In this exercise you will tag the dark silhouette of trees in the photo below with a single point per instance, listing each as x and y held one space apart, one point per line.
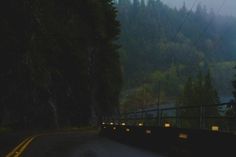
199 95
59 62
231 110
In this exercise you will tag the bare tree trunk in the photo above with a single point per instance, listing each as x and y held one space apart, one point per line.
55 113
92 87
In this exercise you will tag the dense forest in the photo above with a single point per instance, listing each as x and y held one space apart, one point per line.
59 63
162 47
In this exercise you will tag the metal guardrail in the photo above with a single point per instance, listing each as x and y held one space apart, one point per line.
219 117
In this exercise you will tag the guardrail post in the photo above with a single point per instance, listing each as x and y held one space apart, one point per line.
202 117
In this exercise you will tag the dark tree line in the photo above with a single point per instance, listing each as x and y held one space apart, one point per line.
231 110
59 64
199 95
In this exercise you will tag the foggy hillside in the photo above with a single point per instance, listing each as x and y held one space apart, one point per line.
162 45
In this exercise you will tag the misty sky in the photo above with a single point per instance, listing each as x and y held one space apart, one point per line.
229 7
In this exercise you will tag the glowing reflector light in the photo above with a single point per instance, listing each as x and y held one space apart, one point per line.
148 131
183 136
104 127
111 123
167 125
215 128
103 123
123 124
140 124
127 129
114 128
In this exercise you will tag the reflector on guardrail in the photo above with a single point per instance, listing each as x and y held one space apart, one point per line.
215 128
140 124
148 131
167 125
127 130
183 136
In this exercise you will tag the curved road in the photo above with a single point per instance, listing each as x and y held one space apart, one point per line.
82 144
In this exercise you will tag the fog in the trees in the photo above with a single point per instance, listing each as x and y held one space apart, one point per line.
165 46
226 7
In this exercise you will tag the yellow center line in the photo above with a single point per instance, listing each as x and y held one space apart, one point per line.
17 147
24 146
18 150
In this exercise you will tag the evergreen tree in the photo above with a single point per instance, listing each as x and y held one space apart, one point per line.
231 110
210 97
202 96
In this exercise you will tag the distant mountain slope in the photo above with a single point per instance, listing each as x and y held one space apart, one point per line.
160 44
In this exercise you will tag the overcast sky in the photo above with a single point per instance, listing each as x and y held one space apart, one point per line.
226 7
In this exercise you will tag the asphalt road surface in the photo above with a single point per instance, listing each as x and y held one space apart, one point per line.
82 144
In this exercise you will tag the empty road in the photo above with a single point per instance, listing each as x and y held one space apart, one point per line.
76 144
